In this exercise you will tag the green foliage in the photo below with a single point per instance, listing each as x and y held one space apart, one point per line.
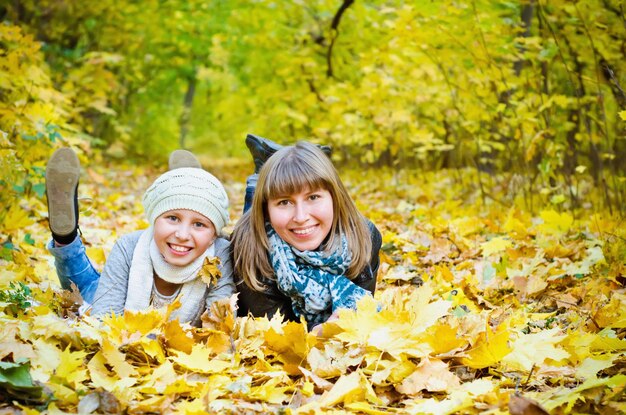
16 298
527 87
33 112
16 381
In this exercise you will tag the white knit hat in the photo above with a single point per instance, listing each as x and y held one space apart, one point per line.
188 188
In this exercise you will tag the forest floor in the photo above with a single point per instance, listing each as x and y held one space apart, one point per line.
482 306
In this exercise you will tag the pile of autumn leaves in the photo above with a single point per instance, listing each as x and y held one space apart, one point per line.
478 308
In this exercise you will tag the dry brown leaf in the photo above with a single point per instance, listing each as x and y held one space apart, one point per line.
520 405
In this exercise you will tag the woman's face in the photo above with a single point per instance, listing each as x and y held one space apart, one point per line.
183 235
304 219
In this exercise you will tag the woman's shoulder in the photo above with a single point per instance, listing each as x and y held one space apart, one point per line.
372 228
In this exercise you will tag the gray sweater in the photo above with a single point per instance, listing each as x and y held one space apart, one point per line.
110 296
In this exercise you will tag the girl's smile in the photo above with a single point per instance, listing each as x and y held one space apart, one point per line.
183 235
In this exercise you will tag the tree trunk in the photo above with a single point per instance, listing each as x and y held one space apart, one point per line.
185 116
527 16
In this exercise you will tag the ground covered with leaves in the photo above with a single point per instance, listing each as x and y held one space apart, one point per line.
483 306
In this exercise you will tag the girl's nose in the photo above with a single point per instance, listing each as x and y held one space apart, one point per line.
182 232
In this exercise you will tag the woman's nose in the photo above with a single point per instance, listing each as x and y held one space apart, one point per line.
301 212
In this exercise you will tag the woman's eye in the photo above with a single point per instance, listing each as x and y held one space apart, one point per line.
283 202
314 197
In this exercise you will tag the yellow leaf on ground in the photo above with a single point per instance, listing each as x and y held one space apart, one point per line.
555 223
534 348
16 218
489 348
495 245
71 369
431 375
96 255
117 360
292 345
177 338
201 359
347 387
102 378
590 367
443 338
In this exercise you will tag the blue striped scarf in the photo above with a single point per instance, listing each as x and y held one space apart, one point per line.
313 280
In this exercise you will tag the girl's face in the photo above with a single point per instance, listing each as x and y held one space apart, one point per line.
183 235
304 219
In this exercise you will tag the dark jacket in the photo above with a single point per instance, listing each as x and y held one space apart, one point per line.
271 300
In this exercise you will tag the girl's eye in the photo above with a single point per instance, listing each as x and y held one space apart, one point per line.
199 225
172 218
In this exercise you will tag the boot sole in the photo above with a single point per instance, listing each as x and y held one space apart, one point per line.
183 158
62 174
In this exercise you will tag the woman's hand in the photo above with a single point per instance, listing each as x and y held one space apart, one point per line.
318 330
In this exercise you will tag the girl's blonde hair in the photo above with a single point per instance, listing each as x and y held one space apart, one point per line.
291 170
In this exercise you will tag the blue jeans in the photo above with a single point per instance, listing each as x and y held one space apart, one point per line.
73 265
250 188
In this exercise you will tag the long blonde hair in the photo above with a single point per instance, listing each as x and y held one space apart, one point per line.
291 170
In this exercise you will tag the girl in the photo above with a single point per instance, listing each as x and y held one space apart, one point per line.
186 208
302 248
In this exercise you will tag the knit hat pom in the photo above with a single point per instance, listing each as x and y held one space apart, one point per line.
188 188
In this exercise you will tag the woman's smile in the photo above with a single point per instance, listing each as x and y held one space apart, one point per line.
303 220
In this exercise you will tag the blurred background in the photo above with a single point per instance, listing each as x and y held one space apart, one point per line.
532 90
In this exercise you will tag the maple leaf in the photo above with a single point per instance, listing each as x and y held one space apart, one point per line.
201 359
614 313
495 245
555 398
101 377
10 342
489 348
334 360
291 344
348 388
555 223
133 322
176 337
432 375
520 405
117 360
16 218
443 338
396 329
534 348
210 271
607 340
590 367
384 371
270 391
69 371
221 315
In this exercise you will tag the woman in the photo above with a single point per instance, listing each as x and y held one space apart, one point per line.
302 248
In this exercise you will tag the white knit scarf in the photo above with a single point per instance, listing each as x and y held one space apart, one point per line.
147 260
